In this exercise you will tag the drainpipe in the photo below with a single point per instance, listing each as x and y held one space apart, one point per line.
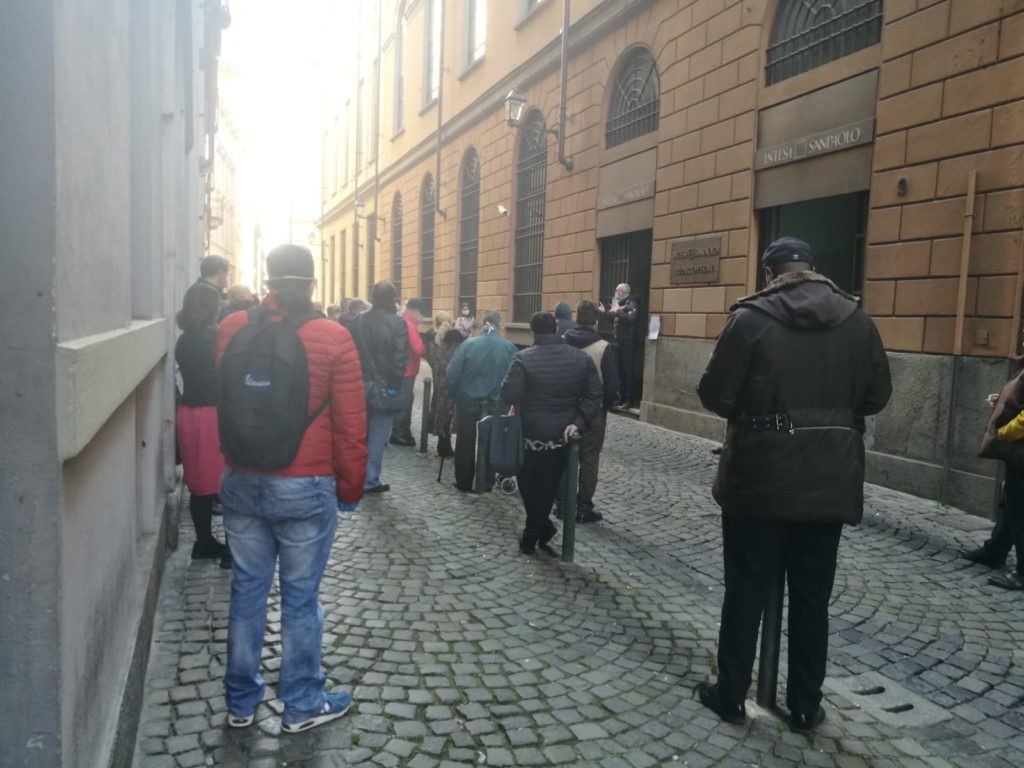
440 92
376 129
564 82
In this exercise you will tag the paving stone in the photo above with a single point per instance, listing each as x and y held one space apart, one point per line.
456 647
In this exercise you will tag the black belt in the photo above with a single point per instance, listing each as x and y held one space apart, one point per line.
771 422
787 421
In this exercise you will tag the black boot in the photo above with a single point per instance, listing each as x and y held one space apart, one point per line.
206 547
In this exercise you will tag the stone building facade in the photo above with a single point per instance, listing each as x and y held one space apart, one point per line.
102 217
698 130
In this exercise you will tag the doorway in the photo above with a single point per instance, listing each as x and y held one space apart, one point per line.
834 227
626 258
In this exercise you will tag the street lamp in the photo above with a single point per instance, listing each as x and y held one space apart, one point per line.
515 102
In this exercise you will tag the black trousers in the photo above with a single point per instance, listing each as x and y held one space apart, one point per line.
627 369
401 429
1012 518
753 550
465 446
591 443
539 480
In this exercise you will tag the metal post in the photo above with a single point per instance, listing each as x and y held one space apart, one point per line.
572 484
425 414
771 639
483 433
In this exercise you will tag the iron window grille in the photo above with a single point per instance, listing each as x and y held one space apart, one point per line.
428 195
469 230
636 99
810 33
531 174
396 244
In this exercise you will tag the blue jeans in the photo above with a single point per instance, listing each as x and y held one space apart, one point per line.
290 520
378 428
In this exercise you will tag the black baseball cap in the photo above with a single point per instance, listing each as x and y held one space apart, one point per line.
290 262
786 249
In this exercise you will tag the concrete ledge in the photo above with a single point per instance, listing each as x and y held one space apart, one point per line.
968 491
704 424
95 374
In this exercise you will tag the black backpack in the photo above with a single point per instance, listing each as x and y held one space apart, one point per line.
263 392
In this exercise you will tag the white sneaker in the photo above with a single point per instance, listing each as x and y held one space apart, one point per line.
241 721
335 705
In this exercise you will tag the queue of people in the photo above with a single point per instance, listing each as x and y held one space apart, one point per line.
286 414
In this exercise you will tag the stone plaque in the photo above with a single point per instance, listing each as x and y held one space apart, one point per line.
834 140
696 260
626 195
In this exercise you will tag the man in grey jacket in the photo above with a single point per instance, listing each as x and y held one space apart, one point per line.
472 382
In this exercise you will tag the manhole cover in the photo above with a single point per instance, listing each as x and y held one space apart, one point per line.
887 701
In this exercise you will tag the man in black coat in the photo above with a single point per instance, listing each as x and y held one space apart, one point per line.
795 371
557 394
625 310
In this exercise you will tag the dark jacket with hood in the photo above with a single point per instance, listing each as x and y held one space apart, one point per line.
383 343
552 385
803 351
563 317
582 337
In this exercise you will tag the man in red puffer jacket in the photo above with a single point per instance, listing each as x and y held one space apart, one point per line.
288 515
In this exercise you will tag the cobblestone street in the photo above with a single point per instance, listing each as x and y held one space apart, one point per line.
461 651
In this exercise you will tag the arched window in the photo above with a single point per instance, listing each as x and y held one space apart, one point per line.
531 173
427 204
399 74
396 243
636 98
809 33
469 229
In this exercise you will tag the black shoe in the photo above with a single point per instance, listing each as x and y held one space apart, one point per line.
408 440
984 556
619 404
464 490
1011 580
549 534
210 550
711 697
800 722
379 488
589 516
526 549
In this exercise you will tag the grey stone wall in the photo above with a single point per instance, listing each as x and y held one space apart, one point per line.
924 442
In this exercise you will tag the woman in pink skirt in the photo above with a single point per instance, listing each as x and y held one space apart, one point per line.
198 440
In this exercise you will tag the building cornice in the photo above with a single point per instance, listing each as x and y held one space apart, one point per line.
584 34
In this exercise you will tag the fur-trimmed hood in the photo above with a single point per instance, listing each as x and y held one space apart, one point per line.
806 300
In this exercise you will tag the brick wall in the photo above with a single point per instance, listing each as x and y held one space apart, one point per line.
951 99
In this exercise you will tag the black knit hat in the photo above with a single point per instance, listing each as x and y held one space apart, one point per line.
290 262
786 249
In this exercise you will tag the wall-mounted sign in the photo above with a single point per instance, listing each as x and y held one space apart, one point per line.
696 260
833 140
626 195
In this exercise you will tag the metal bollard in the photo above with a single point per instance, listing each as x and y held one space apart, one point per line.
771 639
572 484
483 433
425 414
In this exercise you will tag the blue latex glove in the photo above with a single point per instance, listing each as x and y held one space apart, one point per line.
345 506
391 392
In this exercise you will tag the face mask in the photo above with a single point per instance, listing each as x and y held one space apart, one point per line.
465 313
619 296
